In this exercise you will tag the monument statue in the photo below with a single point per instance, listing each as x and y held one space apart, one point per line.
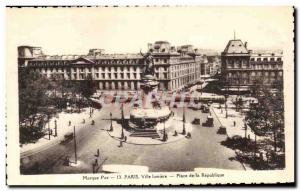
149 64
147 119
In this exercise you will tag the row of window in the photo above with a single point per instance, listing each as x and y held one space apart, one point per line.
249 81
65 62
266 66
182 66
256 66
265 59
247 74
111 76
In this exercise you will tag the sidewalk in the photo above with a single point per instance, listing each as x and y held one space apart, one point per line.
228 122
63 128
232 130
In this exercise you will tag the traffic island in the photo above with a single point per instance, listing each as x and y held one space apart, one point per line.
174 133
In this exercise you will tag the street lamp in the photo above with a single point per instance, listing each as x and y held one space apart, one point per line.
122 124
164 136
245 126
55 127
49 131
111 125
75 148
183 122
226 98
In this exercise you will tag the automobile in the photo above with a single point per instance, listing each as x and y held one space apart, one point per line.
222 130
209 122
205 109
67 138
202 106
196 121
136 104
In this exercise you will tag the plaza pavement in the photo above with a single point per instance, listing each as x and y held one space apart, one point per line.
203 150
62 119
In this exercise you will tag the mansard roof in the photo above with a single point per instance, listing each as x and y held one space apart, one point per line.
235 47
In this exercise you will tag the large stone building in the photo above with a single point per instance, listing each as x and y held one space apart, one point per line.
242 68
175 68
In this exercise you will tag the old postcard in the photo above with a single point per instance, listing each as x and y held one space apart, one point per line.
150 95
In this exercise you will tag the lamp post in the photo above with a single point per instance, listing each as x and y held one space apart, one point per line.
55 128
75 148
122 124
111 125
183 122
164 136
49 133
245 129
226 109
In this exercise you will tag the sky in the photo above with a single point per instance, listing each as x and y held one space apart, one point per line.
127 30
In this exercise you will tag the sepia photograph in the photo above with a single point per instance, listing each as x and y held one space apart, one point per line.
150 93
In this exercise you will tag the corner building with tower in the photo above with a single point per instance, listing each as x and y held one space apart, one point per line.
242 68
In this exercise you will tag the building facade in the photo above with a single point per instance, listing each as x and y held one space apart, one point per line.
241 68
174 68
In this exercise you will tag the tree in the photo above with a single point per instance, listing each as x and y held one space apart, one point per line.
32 97
57 83
87 87
257 86
266 116
32 93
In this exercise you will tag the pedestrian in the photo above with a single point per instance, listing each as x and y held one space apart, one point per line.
93 166
96 162
66 161
93 122
234 123
121 143
125 138
175 133
261 157
69 123
188 135
83 121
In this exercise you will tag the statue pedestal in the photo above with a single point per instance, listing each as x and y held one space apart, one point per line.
150 114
